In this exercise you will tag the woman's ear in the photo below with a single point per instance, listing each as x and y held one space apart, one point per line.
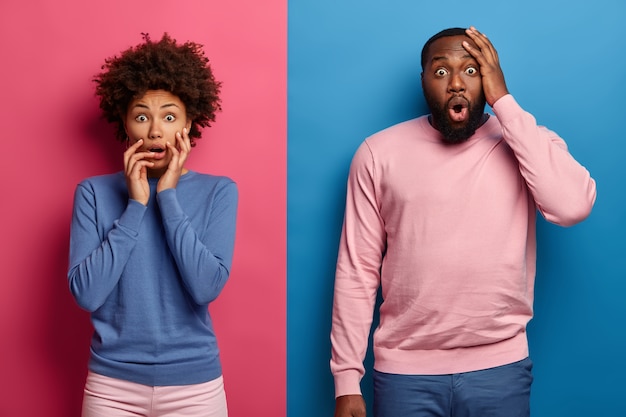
123 120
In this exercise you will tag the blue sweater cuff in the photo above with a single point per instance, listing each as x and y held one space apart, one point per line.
168 202
132 216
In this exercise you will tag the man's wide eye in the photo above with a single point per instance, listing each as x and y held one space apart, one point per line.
441 72
471 71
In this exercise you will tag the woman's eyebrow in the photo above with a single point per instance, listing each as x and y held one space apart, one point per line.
166 105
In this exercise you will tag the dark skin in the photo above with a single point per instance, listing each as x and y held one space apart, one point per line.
491 73
461 73
457 53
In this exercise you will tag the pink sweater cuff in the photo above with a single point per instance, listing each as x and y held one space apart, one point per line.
506 108
347 383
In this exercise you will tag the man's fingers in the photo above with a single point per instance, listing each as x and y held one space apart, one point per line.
480 38
483 43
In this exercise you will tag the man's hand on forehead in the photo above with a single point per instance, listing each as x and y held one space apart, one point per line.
486 55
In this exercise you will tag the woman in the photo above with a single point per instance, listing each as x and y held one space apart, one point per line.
152 246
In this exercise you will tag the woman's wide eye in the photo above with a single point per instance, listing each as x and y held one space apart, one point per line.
170 117
441 72
471 71
141 118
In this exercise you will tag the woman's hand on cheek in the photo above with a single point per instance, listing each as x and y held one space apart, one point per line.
176 167
135 170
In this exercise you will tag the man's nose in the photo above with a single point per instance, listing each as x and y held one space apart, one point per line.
456 85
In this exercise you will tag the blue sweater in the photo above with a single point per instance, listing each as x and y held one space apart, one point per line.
147 275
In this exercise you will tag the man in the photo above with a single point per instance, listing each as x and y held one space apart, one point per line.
440 214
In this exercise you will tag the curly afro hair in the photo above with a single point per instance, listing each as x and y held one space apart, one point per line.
181 69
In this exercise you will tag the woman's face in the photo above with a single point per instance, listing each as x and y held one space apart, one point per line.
156 117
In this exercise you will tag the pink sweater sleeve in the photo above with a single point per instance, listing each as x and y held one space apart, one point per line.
563 190
357 276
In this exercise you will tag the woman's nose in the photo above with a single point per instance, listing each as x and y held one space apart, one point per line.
155 131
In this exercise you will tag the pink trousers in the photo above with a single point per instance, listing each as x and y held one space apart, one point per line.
110 397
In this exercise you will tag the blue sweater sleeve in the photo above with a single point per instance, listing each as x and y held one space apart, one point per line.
98 257
203 254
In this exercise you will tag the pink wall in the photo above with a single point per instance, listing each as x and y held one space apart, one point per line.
53 137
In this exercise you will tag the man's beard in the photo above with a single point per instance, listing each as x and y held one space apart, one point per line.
444 125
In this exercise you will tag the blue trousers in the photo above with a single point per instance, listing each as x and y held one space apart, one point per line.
503 391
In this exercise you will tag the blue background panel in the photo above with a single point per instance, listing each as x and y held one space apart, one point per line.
353 69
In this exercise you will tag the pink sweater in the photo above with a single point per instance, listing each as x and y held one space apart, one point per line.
449 233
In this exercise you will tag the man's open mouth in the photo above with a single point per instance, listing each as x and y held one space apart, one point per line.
458 109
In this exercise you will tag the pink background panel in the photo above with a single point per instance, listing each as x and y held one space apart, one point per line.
52 137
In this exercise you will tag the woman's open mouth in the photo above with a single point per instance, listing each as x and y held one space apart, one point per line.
159 153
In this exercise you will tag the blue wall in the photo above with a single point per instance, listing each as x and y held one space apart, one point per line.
354 69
